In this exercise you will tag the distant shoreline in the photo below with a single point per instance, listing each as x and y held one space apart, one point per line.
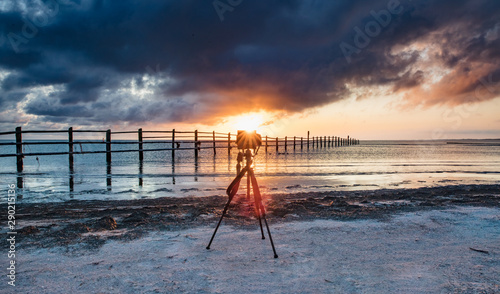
85 223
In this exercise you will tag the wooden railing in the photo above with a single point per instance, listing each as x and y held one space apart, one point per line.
177 140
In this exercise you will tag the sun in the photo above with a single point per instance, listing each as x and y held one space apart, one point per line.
249 122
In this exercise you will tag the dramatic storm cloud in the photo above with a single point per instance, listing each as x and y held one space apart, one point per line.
118 62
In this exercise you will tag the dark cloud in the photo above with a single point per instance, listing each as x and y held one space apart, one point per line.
9 100
135 61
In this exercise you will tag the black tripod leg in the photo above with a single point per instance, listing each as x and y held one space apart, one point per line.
260 223
231 191
216 228
257 210
248 186
270 238
256 195
257 198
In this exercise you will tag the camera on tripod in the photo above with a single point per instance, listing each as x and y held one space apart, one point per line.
248 140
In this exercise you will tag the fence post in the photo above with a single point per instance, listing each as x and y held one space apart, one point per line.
108 146
108 175
141 154
196 144
301 143
294 143
70 148
277 145
19 149
307 140
285 143
70 160
173 144
215 151
266 144
229 143
348 141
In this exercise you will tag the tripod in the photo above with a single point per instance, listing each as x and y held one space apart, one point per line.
233 188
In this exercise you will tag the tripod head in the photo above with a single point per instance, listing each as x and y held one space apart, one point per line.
249 141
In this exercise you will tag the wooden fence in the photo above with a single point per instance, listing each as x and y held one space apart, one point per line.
177 140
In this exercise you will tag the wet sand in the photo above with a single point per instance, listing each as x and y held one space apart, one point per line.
88 225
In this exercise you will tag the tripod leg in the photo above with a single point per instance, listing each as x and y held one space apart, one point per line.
257 204
270 238
248 186
260 223
231 191
218 224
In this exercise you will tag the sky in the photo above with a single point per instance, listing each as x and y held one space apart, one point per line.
408 69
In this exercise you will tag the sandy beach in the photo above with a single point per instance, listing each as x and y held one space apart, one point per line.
365 133
428 240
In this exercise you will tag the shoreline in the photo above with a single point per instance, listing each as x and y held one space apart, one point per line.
88 225
447 250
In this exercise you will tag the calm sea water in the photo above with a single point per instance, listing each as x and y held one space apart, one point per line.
371 165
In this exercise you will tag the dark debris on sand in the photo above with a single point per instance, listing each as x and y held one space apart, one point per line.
91 223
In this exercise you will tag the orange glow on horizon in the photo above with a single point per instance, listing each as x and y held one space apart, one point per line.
247 122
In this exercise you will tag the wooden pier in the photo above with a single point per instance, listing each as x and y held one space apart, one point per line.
177 141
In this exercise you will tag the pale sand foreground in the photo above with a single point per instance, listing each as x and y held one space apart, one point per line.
418 252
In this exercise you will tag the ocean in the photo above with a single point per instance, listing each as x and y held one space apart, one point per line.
368 166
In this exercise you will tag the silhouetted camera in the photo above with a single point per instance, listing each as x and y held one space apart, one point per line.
248 140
